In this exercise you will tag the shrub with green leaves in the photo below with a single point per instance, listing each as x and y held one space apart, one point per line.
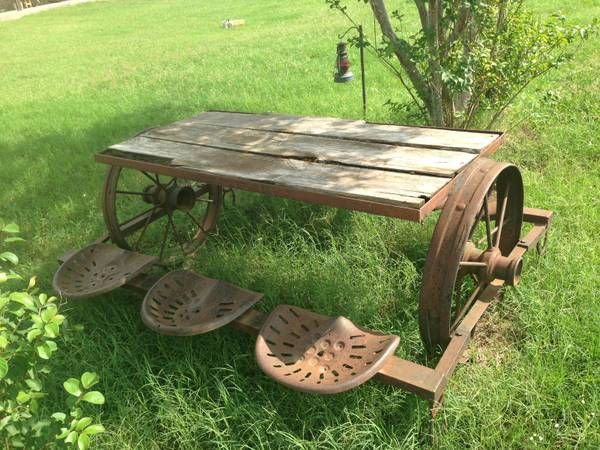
80 427
468 59
30 325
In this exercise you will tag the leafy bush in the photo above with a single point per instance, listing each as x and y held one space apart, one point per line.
469 56
30 324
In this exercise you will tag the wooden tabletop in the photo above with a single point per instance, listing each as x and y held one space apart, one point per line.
385 169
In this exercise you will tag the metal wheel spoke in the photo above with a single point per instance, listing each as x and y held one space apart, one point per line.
191 216
468 304
488 226
494 231
472 264
201 190
164 241
154 180
176 233
146 223
121 225
500 222
129 193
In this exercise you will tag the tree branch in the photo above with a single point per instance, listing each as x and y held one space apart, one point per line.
422 8
401 49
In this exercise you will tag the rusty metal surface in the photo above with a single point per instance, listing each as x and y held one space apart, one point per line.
183 303
427 383
453 255
314 353
97 269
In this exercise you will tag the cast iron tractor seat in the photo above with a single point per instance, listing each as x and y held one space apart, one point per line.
183 303
314 353
97 269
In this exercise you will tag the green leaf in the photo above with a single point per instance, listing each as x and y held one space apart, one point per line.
22 397
51 330
4 421
39 425
24 299
94 429
83 443
37 320
44 351
3 368
58 319
3 277
71 438
60 417
94 397
88 379
34 405
14 239
64 432
31 282
16 309
82 423
33 334
9 256
3 342
37 395
17 443
49 313
11 228
72 387
34 384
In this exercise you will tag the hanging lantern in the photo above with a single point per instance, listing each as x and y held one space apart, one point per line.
342 65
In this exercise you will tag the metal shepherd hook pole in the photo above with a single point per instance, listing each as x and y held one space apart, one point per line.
361 40
343 73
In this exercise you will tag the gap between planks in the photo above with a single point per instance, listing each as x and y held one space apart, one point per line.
369 184
324 150
439 138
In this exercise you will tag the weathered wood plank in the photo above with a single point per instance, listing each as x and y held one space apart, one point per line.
467 141
318 149
408 190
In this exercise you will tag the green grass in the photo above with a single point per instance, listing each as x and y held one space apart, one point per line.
77 79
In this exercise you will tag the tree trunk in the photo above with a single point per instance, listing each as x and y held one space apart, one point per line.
401 50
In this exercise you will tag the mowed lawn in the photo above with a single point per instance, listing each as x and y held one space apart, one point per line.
77 79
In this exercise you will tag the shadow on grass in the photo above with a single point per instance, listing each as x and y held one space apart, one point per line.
329 260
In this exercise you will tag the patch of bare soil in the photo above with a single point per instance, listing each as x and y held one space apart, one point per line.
494 339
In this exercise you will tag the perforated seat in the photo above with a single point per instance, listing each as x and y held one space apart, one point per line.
314 353
183 303
97 269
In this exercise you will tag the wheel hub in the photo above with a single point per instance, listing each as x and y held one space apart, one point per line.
493 265
170 198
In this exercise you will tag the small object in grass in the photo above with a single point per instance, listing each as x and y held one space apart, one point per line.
230 23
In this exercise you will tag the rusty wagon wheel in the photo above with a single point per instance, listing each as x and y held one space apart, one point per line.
158 215
478 228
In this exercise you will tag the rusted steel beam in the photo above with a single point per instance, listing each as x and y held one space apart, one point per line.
460 341
537 216
423 381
